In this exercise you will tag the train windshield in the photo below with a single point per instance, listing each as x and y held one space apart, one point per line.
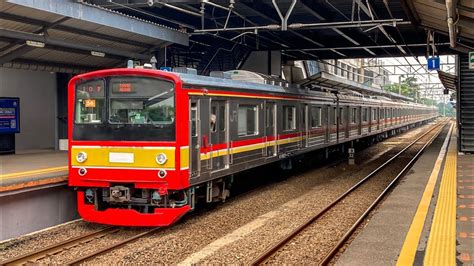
125 108
141 101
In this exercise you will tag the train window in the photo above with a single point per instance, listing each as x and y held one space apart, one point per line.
193 119
289 117
315 116
341 115
247 120
354 116
213 119
140 100
90 102
270 114
222 115
365 114
334 116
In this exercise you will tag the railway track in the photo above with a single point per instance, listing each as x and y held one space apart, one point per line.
112 247
428 138
63 246
32 257
88 239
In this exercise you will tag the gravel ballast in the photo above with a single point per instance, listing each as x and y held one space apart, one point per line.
314 189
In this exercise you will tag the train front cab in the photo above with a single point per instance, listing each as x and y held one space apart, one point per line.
128 147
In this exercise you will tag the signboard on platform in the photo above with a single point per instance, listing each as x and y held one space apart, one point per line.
433 63
9 115
471 60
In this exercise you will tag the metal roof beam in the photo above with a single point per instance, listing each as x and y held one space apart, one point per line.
15 54
65 28
306 5
50 41
105 17
22 48
363 47
47 66
265 16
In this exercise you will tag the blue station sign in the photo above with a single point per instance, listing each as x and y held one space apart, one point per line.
433 63
9 115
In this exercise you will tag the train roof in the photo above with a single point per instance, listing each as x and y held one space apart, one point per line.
344 94
225 83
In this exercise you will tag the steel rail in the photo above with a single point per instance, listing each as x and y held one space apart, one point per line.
111 247
263 257
330 255
58 247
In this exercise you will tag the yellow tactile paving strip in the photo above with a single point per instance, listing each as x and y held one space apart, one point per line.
35 172
408 252
441 249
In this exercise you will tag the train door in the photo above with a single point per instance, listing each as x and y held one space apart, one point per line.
345 120
194 133
218 136
328 123
304 126
270 129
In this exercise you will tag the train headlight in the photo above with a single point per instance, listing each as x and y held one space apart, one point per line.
161 158
162 173
81 157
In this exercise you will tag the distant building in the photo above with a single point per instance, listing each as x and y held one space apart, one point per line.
366 71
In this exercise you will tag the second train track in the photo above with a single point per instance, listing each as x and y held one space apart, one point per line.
410 152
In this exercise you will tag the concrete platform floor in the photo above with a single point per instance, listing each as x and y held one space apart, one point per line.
387 233
32 167
34 193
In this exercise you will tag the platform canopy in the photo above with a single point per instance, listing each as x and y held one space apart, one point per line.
453 18
72 36
223 33
332 82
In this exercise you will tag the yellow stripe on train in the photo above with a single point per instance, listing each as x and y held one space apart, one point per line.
236 150
139 157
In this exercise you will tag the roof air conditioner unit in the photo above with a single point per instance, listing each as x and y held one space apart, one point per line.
185 70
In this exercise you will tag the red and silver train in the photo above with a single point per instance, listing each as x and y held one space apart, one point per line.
145 145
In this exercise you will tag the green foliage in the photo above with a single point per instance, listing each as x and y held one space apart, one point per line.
446 109
427 101
407 87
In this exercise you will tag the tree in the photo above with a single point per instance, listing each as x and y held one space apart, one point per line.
407 87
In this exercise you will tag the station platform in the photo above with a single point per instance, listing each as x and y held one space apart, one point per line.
32 169
33 192
428 219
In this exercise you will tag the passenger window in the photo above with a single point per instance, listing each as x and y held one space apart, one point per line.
90 102
334 116
289 117
315 116
222 115
341 116
213 118
354 116
247 120
365 113
193 119
270 114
